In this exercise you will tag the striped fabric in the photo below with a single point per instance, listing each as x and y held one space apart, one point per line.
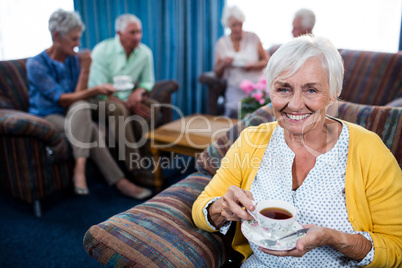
383 120
35 159
28 171
373 78
159 233
13 82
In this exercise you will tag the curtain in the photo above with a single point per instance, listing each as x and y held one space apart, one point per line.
181 34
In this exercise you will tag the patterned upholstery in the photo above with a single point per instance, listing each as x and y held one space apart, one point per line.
160 232
373 78
14 85
35 159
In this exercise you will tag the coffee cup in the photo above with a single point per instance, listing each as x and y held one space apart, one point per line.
275 217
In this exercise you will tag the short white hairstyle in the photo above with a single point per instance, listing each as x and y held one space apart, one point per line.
232 12
62 21
307 18
292 55
122 21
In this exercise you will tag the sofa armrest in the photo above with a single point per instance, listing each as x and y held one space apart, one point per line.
216 87
159 233
17 123
162 92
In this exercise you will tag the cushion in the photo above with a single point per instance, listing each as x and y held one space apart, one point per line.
159 233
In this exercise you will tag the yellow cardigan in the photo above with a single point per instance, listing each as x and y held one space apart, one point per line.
373 186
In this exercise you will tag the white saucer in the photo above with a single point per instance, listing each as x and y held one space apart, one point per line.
239 65
253 234
127 86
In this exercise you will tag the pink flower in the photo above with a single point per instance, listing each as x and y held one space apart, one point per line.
261 85
258 96
247 86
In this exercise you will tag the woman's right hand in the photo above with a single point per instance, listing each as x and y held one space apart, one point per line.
105 89
231 206
227 61
85 59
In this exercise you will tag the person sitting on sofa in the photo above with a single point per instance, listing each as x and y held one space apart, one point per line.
303 22
125 55
344 182
58 79
239 56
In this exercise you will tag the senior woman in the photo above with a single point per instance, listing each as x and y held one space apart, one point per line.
344 182
239 56
58 79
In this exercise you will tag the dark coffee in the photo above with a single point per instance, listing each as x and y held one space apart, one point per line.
276 213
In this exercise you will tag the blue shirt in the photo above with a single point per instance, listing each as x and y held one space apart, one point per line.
48 80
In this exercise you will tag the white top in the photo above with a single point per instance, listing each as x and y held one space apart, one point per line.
319 200
247 53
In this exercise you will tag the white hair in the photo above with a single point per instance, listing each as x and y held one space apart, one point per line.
292 55
232 12
307 17
123 20
62 21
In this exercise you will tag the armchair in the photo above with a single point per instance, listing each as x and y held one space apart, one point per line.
36 159
160 232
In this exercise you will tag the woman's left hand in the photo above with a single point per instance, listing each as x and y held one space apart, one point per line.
85 59
354 246
315 237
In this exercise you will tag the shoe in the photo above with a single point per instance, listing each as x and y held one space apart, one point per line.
143 195
80 191
125 187
144 177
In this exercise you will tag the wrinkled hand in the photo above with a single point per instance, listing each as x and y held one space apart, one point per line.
142 110
105 89
136 97
315 237
227 61
233 202
85 59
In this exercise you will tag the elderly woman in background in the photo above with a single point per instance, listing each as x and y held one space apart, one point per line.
344 182
58 79
303 22
239 56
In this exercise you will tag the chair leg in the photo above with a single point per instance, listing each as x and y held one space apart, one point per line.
37 208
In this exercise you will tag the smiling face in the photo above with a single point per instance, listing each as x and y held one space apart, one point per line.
299 101
131 37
